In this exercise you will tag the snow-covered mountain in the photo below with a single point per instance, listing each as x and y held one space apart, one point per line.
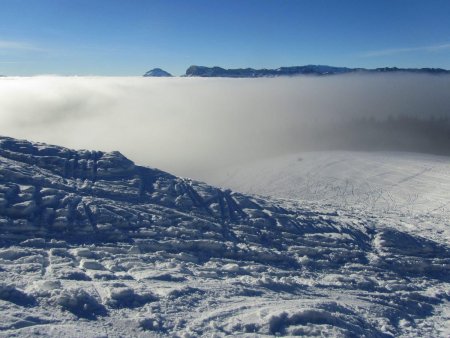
94 245
202 71
157 72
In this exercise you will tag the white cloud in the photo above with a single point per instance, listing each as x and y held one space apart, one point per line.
393 51
17 45
190 125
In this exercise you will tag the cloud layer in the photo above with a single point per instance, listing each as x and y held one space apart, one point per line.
393 51
190 125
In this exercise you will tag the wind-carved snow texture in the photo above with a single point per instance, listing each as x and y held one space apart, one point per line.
94 245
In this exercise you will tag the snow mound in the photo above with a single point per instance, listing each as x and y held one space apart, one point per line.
80 303
10 293
121 296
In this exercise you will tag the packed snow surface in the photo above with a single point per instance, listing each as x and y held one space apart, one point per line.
93 245
411 187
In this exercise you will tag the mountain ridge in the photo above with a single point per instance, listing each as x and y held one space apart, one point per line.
321 70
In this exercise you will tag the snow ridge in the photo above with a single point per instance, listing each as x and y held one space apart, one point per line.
93 242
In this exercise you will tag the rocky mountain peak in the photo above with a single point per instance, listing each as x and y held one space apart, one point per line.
157 72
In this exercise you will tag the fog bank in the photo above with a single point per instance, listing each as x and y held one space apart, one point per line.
190 125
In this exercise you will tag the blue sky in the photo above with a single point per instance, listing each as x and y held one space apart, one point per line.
129 37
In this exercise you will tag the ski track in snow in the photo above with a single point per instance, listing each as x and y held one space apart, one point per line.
409 189
92 245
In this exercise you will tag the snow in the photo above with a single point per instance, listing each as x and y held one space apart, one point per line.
123 250
410 189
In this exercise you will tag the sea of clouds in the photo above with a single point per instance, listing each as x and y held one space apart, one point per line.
189 126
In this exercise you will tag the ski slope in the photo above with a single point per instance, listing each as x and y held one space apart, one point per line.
413 189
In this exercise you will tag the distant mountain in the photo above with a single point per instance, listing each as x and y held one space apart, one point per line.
157 72
202 71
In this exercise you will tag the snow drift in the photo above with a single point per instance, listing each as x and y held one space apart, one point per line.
92 244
